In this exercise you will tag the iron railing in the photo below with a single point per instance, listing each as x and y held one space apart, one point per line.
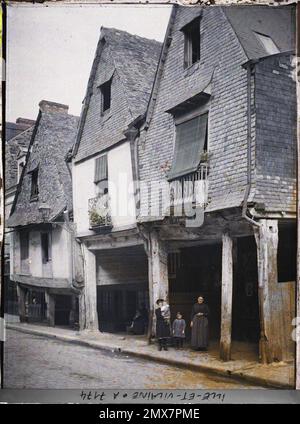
191 188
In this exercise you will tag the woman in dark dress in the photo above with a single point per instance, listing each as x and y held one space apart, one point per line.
162 326
199 325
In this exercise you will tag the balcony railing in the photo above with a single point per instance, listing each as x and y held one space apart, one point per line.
99 213
191 188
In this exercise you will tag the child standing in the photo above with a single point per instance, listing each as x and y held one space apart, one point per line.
179 330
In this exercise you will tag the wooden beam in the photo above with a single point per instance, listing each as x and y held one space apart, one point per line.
226 299
88 316
21 293
41 282
157 271
50 301
274 330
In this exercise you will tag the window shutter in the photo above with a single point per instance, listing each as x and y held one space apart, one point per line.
100 169
24 245
189 144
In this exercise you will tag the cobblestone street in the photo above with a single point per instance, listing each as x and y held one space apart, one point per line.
37 362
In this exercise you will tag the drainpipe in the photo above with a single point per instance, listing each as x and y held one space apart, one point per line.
249 155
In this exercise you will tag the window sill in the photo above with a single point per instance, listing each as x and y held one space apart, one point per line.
34 199
189 70
105 116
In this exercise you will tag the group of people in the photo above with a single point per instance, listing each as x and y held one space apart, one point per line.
199 325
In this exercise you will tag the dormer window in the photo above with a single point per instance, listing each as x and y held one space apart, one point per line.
267 43
34 185
191 42
105 96
21 164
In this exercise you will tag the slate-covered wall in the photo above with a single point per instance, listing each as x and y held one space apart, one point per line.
100 132
221 57
276 142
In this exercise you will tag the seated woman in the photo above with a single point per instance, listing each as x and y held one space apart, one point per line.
138 324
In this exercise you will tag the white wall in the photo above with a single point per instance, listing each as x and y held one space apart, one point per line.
35 254
120 187
61 249
60 254
83 190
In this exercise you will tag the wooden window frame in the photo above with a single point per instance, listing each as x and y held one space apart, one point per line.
105 90
191 43
46 258
24 235
34 193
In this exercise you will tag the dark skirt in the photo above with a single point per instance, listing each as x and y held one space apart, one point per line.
162 329
199 332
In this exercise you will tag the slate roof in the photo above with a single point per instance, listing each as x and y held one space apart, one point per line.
12 150
275 22
54 135
135 60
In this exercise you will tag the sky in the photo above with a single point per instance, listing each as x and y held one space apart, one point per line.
50 49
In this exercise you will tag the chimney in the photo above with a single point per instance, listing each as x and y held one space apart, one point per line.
25 121
46 106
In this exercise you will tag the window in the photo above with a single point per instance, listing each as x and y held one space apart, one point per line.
34 184
46 247
24 245
191 42
105 96
190 143
21 164
101 176
267 43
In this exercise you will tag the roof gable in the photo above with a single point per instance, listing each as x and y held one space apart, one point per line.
133 61
12 150
53 136
278 23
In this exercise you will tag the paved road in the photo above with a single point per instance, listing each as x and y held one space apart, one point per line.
38 362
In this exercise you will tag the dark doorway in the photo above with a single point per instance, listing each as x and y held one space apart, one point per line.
35 306
245 308
198 272
63 305
117 305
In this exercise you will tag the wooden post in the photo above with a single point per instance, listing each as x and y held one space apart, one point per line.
50 301
21 293
158 273
88 315
271 344
226 299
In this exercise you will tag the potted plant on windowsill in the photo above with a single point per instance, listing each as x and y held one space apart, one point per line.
205 157
99 216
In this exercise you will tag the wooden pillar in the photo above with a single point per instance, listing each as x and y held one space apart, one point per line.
50 301
21 293
271 344
72 311
226 297
158 272
88 315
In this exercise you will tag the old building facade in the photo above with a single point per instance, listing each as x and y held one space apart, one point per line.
105 172
17 139
220 140
41 256
183 181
